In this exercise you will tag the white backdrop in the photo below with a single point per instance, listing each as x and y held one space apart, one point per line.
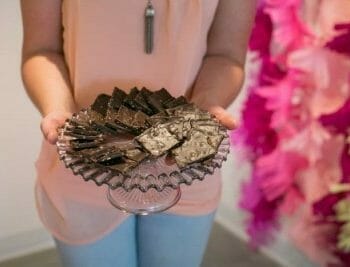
20 229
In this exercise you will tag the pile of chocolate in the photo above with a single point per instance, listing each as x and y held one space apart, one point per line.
121 131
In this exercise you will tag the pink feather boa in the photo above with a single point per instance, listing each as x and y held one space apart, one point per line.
294 125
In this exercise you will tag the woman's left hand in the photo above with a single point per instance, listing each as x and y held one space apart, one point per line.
223 116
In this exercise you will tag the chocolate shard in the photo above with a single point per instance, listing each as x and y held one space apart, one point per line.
194 149
82 144
129 100
160 117
135 154
140 120
163 95
117 99
207 126
157 99
118 128
125 116
155 104
181 100
157 140
140 99
100 105
145 91
125 166
179 128
102 128
111 158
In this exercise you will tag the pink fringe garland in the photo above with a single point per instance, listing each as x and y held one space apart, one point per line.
294 128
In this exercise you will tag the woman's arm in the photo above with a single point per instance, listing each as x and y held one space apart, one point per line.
222 73
44 72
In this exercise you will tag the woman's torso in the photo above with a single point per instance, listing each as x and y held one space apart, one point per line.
103 48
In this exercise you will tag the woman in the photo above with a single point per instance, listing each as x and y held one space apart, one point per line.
74 50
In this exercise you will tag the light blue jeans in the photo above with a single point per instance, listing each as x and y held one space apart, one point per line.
157 240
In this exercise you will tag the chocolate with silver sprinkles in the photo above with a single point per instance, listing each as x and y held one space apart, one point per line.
157 124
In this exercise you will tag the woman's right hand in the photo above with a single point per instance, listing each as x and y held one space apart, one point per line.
51 122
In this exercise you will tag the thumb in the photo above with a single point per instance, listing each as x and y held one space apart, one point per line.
224 117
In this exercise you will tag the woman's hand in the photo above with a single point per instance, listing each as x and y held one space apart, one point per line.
223 116
51 122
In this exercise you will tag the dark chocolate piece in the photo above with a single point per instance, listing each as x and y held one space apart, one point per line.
154 103
111 158
129 100
125 116
124 167
163 95
140 99
140 120
117 99
181 100
195 149
82 144
119 128
158 99
135 154
157 140
101 104
179 128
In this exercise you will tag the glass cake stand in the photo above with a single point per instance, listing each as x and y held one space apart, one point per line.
143 203
151 187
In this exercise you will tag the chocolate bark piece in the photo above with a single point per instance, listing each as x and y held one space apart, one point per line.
160 117
117 99
111 158
125 166
194 149
102 128
182 108
157 140
135 154
154 103
157 99
80 130
100 105
181 100
140 99
207 126
140 120
82 144
179 128
215 140
119 128
163 95
125 116
192 115
129 100
76 136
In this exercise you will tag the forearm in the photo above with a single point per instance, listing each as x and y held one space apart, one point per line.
218 82
45 77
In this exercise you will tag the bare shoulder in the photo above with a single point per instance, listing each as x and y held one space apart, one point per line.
230 30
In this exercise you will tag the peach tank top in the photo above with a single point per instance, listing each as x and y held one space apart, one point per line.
103 47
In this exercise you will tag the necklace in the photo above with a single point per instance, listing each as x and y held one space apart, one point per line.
149 20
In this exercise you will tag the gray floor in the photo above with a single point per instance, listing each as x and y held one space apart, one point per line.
224 250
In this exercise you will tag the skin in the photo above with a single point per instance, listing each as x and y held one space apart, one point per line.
45 74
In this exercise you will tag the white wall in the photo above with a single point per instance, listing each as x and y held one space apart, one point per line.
20 230
19 143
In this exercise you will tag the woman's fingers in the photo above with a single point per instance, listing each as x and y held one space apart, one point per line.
224 117
51 123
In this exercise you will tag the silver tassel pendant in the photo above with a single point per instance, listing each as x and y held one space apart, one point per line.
149 21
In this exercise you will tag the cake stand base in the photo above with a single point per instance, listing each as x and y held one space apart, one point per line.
143 203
